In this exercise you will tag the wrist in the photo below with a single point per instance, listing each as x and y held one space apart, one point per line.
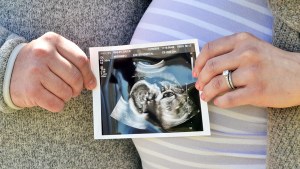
7 76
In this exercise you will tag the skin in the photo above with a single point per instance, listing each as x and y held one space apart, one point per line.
264 75
48 72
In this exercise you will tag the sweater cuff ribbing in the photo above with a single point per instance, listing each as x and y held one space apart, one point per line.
7 76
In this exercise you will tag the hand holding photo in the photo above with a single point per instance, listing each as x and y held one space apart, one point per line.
147 91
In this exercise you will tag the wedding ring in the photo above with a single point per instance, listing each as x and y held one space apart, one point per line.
226 75
228 78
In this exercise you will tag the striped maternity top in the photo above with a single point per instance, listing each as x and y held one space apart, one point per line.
239 134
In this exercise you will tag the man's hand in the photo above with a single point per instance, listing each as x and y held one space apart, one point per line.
48 72
263 74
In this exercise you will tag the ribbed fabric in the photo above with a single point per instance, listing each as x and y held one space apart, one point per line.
8 43
239 135
7 76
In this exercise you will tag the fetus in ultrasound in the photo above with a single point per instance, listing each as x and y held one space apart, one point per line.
165 102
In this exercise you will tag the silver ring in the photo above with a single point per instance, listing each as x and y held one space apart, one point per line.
230 80
228 77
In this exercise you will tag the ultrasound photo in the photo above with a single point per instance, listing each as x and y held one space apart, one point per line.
147 91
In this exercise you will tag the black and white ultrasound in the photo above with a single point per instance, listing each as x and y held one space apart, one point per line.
149 90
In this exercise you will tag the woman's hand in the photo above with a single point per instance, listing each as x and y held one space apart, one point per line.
48 72
263 74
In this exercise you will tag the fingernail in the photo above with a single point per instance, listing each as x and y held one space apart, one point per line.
203 97
198 86
194 74
92 84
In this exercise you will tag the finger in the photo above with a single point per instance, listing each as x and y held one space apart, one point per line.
67 72
57 86
218 47
237 97
49 101
213 49
78 58
217 65
219 84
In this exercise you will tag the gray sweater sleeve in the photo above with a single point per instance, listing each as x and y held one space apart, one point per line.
8 41
284 124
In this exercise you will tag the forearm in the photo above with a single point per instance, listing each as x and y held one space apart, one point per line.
8 42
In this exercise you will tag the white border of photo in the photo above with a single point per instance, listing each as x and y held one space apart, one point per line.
94 58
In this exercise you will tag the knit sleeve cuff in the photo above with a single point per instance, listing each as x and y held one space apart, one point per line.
7 76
